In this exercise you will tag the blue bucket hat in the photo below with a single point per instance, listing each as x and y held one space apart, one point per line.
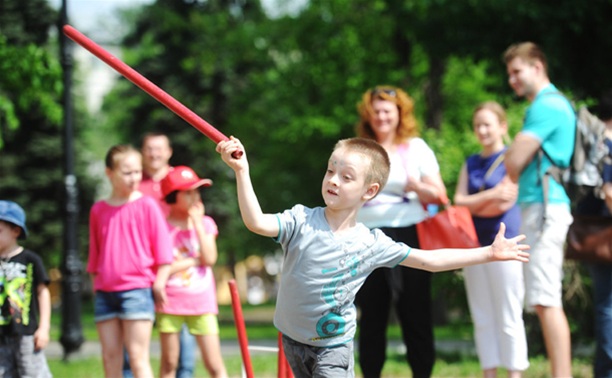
12 213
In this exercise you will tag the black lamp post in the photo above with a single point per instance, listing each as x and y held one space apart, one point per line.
72 332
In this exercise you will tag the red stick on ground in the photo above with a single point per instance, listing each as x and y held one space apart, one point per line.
241 329
284 370
147 86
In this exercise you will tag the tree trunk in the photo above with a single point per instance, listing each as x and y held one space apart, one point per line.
433 93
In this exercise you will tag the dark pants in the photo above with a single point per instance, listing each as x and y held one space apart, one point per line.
308 361
409 291
602 302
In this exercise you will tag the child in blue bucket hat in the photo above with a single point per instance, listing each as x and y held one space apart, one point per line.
25 302
12 213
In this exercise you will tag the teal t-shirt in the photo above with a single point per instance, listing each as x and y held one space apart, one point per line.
551 120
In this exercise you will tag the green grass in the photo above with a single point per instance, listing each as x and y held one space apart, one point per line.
259 329
265 364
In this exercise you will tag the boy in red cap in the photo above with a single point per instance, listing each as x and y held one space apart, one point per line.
25 302
190 290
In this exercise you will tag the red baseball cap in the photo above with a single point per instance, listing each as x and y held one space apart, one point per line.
182 178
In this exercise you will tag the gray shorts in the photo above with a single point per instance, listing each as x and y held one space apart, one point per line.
19 360
319 362
544 271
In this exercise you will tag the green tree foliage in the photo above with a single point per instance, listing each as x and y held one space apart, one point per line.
202 54
288 86
26 69
31 153
25 22
30 85
29 71
574 35
288 89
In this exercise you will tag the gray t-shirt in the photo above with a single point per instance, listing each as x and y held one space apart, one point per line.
322 273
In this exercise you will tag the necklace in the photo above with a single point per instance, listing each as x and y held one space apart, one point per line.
6 257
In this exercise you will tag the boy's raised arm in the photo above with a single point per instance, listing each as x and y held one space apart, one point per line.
438 260
252 215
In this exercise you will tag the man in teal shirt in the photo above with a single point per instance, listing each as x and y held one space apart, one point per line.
549 125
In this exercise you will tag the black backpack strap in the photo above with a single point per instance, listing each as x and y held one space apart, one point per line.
554 170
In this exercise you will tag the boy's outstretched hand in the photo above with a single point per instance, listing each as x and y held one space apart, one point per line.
508 249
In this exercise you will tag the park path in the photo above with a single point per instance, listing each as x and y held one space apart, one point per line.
231 348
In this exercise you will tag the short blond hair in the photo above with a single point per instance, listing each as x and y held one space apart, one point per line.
379 164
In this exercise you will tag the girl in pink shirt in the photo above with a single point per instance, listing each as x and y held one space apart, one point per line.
129 256
191 291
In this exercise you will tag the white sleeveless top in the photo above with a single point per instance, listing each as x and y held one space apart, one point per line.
392 207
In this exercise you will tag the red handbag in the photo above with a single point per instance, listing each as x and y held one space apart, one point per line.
452 227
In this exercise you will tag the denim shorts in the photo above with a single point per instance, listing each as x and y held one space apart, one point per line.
136 304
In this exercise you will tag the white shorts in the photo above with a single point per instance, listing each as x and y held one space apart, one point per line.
544 271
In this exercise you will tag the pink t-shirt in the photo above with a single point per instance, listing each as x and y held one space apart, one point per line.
126 244
152 188
191 291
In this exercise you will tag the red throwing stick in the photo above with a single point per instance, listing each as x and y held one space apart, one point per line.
147 86
241 329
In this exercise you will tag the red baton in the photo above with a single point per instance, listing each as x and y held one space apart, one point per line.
147 86
241 329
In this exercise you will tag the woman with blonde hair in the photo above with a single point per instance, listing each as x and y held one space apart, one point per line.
495 291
